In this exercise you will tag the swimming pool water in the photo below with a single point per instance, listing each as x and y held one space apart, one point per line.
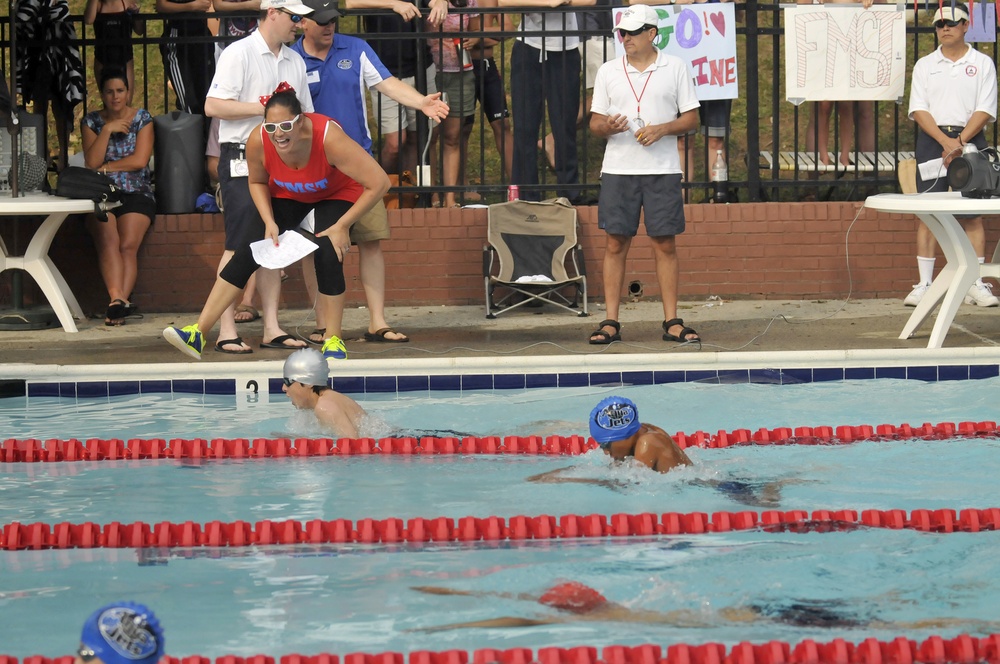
310 599
886 475
686 407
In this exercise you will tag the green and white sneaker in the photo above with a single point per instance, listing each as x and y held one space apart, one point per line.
188 340
334 349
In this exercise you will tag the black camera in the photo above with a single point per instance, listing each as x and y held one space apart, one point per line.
975 175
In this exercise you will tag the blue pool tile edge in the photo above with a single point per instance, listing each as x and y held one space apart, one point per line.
86 389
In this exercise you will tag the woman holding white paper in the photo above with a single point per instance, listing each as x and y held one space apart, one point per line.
298 162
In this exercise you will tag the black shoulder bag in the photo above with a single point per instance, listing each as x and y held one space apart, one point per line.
77 182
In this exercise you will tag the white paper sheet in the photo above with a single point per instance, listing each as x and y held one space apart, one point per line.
292 246
633 127
932 170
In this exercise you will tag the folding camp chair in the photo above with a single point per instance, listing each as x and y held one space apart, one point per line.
529 243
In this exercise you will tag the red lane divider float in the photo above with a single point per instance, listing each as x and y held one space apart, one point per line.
963 649
95 449
17 536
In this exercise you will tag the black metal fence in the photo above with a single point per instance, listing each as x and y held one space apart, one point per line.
768 147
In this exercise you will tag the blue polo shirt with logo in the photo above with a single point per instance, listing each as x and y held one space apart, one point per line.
339 83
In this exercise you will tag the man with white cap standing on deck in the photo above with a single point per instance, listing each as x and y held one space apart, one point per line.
121 633
642 102
953 96
306 382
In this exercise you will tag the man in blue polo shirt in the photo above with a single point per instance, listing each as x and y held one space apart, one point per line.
340 69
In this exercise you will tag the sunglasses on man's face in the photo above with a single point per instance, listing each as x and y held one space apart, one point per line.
942 24
295 17
285 126
325 23
632 33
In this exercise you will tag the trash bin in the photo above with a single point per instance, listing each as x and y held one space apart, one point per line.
179 161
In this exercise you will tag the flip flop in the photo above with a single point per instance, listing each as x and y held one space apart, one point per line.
246 309
603 337
117 311
682 337
318 332
220 346
379 336
279 343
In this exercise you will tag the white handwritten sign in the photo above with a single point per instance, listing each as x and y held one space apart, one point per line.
844 53
704 37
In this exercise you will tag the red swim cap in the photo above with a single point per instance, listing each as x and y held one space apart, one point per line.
573 597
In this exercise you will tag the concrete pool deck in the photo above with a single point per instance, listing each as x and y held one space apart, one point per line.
455 339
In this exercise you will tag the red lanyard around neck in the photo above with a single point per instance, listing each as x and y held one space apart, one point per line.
638 97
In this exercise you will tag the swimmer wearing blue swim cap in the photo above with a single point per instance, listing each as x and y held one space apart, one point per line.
121 633
305 378
615 426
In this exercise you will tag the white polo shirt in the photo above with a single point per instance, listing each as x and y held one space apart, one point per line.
247 70
952 91
664 90
552 23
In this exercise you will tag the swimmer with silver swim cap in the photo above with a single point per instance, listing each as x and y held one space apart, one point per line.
306 366
305 380
615 426
121 633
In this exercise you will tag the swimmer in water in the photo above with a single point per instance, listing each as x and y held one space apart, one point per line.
306 375
121 633
578 602
615 426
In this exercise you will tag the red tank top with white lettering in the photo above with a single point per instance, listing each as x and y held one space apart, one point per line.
317 180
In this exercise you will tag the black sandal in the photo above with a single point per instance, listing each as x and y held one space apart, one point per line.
318 332
682 337
117 311
605 337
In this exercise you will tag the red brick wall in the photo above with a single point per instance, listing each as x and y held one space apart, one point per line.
737 251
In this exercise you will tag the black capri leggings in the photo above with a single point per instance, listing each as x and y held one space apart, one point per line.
288 214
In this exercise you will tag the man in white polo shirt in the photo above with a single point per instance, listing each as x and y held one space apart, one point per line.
953 96
642 103
247 70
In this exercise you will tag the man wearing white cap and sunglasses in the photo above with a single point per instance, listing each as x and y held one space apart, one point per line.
952 98
642 103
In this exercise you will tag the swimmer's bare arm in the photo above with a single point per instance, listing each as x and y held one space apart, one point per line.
440 590
555 477
507 621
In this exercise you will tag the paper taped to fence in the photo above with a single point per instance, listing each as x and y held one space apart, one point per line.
704 37
835 53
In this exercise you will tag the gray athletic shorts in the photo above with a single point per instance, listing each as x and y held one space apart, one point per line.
623 197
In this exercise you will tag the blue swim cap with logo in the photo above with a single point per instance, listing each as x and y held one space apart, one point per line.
123 633
615 418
